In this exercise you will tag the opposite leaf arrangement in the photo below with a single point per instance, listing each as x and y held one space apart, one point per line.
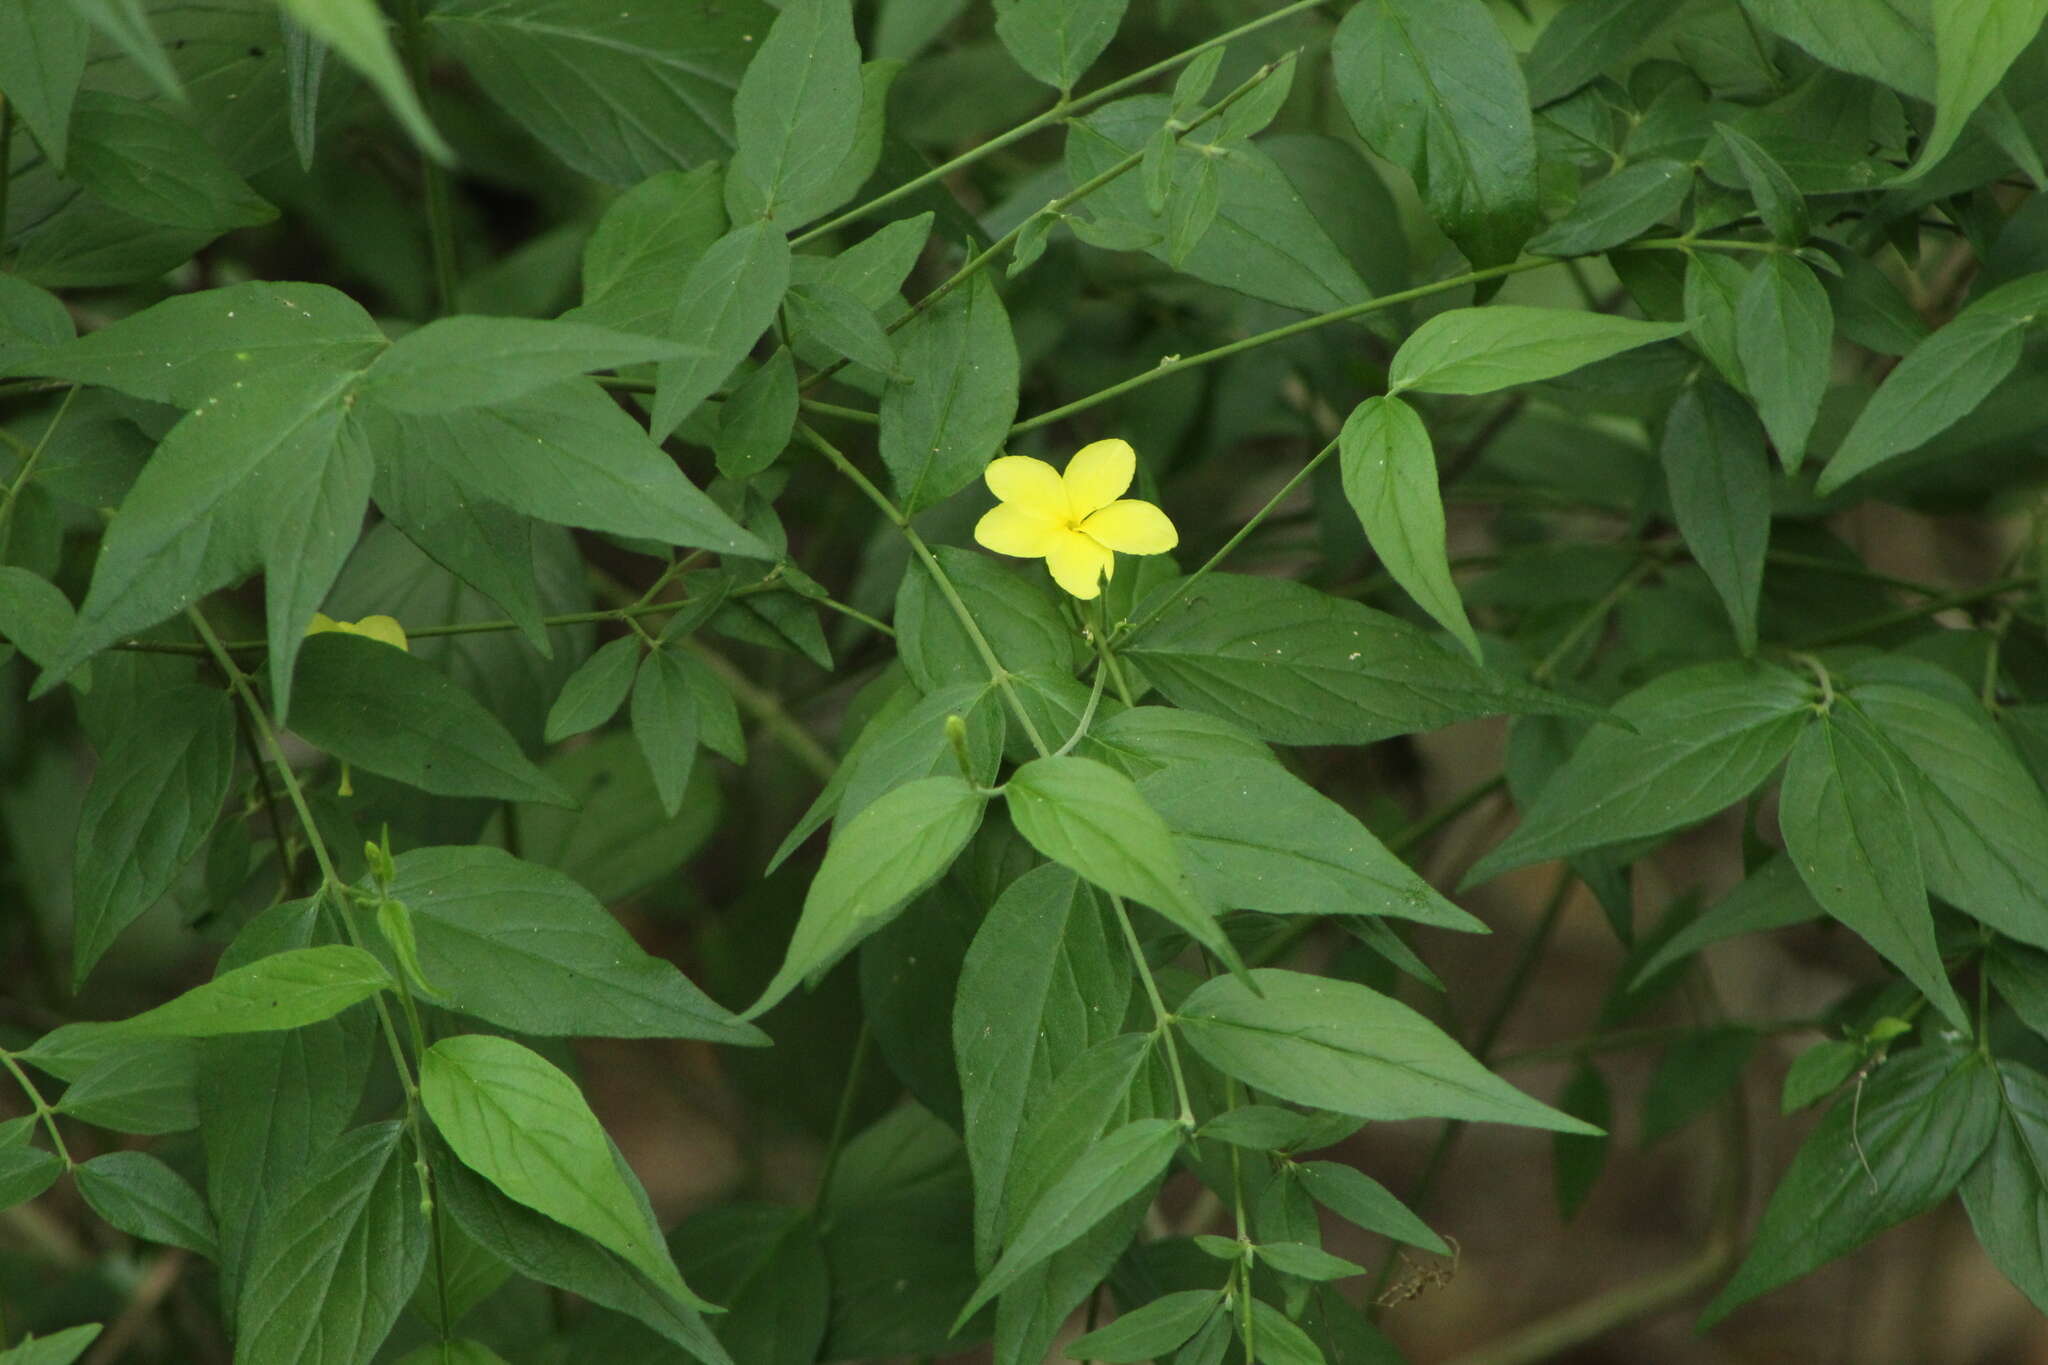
606 399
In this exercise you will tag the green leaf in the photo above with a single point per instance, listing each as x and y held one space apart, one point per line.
340 1255
1264 241
1703 739
1778 200
915 745
36 618
1296 666
132 1086
796 114
1039 972
355 29
1941 380
596 690
1261 1127
1713 289
1144 739
2006 1192
1920 1123
258 476
543 1249
1693 1073
619 92
473 362
1390 478
1817 1073
950 414
755 424
154 798
644 247
1884 43
286 990
524 947
665 724
1116 1168
1584 40
841 322
1975 42
1981 819
1784 333
1435 89
1719 474
1093 819
1016 617
1479 350
1281 1341
1618 208
142 159
1357 1198
1772 897
59 1348
567 455
1848 825
196 349
26 1172
893 850
1255 837
728 299
125 24
1306 1262
482 542
1057 40
1346 1047
1147 1332
381 709
32 320
42 57
518 1121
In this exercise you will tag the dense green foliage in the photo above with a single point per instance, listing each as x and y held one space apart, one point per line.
479 470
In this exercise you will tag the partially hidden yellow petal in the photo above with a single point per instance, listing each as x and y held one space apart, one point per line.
1099 474
1031 484
1132 527
1011 529
321 622
382 628
1079 564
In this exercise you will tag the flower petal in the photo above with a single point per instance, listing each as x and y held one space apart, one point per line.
1079 564
321 623
1011 529
1132 526
1031 484
1099 474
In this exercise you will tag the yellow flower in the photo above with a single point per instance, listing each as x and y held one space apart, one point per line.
1076 522
381 628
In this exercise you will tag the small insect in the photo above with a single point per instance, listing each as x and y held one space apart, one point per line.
1419 1277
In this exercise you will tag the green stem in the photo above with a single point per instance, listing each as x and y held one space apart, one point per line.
1907 615
999 674
842 1118
1162 1019
1708 243
28 470
1630 1039
844 414
433 179
1355 310
330 880
1107 656
41 1106
1061 109
1181 589
1596 614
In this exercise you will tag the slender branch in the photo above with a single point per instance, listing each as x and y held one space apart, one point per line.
1166 368
1596 614
1062 109
1237 539
940 579
1907 615
1162 1018
28 469
842 1118
39 1104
